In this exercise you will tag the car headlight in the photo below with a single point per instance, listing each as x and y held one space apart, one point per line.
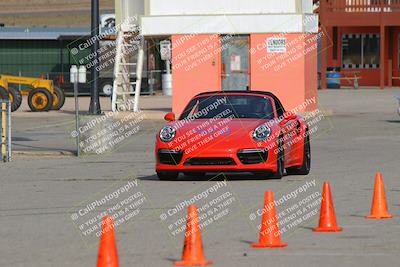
261 133
167 134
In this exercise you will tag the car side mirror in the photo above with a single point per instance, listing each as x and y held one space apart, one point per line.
289 116
169 116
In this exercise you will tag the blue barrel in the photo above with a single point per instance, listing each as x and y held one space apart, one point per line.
333 83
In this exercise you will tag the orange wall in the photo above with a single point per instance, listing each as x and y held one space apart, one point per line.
311 70
196 67
291 76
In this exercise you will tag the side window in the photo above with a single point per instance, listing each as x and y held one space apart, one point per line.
188 109
279 109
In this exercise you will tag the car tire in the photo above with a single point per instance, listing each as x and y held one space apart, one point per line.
305 168
167 176
280 161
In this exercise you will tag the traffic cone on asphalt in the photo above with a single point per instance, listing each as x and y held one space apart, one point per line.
327 217
108 249
193 254
379 209
269 231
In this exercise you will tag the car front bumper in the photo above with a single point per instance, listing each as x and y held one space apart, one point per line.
216 160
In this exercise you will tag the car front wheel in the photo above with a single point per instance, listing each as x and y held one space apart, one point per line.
280 161
305 168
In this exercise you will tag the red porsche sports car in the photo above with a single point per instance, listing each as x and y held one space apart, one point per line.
233 131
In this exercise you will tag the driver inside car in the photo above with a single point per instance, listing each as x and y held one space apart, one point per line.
263 108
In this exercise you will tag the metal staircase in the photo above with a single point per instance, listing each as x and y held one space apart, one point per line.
128 64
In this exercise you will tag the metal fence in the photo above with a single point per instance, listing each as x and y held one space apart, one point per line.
5 130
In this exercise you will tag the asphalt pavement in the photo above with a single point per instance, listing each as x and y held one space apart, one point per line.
45 200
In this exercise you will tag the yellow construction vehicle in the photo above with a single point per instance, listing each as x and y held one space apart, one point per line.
42 94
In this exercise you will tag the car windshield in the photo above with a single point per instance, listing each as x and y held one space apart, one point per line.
229 106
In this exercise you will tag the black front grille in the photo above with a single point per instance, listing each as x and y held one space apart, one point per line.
170 157
209 161
252 157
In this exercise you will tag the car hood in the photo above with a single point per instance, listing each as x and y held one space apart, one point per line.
234 124
218 133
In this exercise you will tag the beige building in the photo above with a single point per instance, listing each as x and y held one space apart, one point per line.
227 45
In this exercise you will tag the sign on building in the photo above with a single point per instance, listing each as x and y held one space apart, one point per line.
165 50
235 62
276 45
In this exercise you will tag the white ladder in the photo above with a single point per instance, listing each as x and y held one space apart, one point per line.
129 56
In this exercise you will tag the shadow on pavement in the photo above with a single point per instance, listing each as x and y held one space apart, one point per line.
213 177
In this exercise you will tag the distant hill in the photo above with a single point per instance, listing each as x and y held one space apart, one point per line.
50 13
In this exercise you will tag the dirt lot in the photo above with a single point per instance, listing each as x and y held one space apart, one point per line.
51 13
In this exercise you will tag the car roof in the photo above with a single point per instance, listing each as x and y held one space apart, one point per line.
266 93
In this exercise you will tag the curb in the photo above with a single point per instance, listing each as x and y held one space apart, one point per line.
147 115
326 113
59 153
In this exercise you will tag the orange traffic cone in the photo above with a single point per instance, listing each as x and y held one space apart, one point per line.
193 254
269 232
108 249
379 209
327 217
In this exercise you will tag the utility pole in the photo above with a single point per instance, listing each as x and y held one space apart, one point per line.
94 107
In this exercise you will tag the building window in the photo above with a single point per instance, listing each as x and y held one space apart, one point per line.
360 51
351 50
370 50
335 43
